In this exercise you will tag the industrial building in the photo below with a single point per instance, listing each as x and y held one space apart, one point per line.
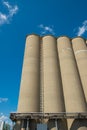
53 87
1 125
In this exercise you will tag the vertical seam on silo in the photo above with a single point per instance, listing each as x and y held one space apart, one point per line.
60 77
41 78
40 81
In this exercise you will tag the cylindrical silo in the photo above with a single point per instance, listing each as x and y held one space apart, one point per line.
53 95
72 89
52 88
29 100
80 51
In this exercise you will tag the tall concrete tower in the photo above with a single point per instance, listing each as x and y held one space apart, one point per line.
80 52
53 87
29 99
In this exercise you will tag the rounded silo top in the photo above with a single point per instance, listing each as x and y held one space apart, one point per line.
49 44
49 39
78 43
32 43
32 35
64 44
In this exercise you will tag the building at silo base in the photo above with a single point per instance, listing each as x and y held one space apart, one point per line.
25 124
52 124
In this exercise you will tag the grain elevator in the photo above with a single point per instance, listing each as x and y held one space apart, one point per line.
53 88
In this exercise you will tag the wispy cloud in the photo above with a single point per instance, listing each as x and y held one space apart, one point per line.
3 18
3 100
82 29
46 29
12 10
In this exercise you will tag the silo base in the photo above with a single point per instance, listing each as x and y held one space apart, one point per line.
56 125
79 124
51 125
32 125
23 124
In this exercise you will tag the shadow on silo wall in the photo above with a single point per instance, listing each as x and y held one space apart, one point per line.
79 124
17 126
32 125
56 124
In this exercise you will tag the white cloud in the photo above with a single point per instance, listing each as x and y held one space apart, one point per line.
6 3
3 100
46 29
12 10
3 18
82 29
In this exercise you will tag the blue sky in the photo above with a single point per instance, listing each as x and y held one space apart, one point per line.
22 17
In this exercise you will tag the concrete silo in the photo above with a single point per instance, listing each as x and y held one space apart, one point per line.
72 89
80 52
53 94
29 99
